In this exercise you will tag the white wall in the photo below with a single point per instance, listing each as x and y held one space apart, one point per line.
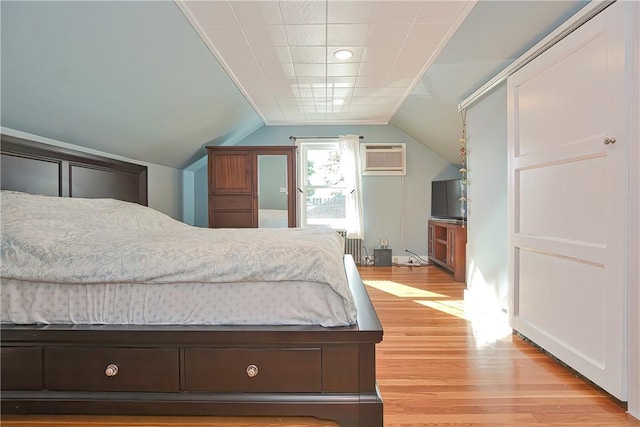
395 208
487 203
165 183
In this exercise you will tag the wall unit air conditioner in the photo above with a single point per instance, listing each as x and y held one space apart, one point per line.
383 159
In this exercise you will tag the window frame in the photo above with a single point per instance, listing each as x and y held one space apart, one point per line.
303 147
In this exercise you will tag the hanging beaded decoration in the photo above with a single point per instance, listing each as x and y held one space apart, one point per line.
463 161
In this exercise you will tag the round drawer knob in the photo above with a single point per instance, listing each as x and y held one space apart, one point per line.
112 370
252 371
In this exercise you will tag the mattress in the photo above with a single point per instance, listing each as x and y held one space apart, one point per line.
69 260
259 303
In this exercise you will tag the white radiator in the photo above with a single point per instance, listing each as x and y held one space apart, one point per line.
352 247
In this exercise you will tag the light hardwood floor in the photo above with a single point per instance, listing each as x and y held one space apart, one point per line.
435 369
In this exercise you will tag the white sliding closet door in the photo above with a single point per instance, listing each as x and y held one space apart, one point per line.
568 200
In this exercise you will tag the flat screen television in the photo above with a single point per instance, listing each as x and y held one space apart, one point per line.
445 200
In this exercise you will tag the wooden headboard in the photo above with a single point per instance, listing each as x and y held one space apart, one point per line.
33 167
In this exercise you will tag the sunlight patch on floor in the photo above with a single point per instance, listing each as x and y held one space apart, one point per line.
488 323
452 307
400 290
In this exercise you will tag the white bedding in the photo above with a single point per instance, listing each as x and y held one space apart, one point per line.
101 247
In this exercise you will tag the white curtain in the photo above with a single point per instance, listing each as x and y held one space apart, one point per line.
350 150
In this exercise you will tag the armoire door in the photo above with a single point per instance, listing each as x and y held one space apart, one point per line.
568 200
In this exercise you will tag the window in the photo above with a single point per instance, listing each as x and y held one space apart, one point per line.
323 197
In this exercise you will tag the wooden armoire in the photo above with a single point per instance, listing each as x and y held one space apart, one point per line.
234 182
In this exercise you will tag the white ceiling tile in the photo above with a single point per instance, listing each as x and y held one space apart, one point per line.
349 12
281 82
310 70
371 81
427 34
309 54
306 81
360 108
381 53
403 82
294 116
359 92
212 13
272 56
256 12
280 53
288 102
291 109
305 92
303 12
412 59
266 100
286 92
387 34
266 35
392 91
341 81
261 96
319 92
342 69
342 92
387 100
237 55
395 11
375 69
288 70
440 11
306 35
347 34
362 100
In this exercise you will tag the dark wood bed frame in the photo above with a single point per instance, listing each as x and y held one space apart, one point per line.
328 373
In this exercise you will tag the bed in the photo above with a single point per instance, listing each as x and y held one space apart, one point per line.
140 363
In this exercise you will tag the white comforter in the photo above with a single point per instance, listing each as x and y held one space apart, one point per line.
103 241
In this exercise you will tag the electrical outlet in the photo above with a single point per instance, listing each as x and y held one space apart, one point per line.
395 260
384 243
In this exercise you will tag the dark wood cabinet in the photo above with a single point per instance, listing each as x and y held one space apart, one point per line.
447 247
234 179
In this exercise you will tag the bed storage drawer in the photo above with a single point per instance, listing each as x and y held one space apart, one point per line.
253 370
233 202
21 368
112 369
233 219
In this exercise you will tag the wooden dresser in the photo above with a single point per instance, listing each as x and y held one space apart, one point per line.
233 184
447 247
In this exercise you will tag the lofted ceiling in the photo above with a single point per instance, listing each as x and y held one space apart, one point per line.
158 80
282 54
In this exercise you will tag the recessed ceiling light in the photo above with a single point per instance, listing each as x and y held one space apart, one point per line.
338 101
342 54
